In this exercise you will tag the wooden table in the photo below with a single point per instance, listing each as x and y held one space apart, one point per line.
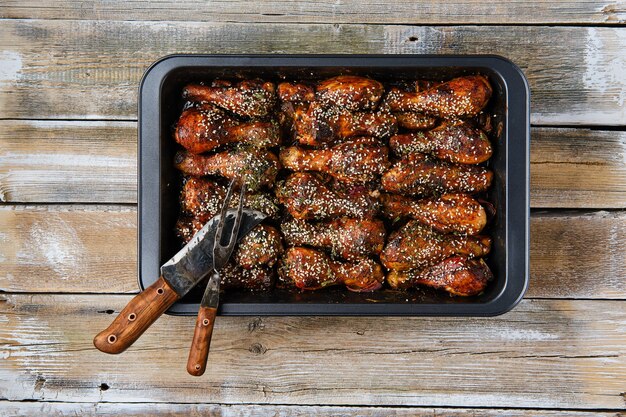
69 73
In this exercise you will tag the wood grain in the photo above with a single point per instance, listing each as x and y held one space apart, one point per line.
327 11
93 249
96 162
56 409
576 73
543 354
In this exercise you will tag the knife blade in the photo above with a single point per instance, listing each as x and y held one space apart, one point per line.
178 276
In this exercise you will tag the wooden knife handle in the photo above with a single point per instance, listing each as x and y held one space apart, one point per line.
196 364
136 317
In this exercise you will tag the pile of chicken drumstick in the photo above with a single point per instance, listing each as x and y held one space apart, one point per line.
362 184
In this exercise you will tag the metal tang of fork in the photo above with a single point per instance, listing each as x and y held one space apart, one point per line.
196 364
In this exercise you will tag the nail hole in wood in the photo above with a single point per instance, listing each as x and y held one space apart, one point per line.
160 291
205 322
104 387
112 338
132 317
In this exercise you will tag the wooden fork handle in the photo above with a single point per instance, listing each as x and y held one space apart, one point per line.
136 317
196 364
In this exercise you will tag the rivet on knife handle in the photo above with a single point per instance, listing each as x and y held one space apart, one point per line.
196 364
136 317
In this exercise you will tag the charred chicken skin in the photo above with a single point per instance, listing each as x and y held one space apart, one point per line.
295 92
345 238
459 275
359 160
459 97
204 197
447 213
417 174
254 166
451 141
206 128
249 98
309 269
415 246
349 92
306 197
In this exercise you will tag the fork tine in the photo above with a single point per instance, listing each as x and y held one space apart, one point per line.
235 232
220 224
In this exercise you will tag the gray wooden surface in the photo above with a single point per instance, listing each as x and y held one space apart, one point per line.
69 72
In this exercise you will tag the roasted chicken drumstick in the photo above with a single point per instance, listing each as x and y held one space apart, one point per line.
451 141
459 275
204 129
359 160
459 97
346 238
417 174
306 197
447 213
253 166
249 98
415 246
309 269
349 92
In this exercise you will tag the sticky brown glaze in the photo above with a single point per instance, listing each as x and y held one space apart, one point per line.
256 167
459 97
295 92
258 278
451 141
262 246
415 246
309 269
417 174
202 196
459 275
359 160
415 121
349 92
206 128
248 98
313 125
447 213
307 197
380 124
344 237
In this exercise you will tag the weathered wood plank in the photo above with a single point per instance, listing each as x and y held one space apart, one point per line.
543 354
57 161
576 73
58 409
96 162
53 249
327 11
93 249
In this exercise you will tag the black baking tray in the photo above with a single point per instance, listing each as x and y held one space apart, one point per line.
160 105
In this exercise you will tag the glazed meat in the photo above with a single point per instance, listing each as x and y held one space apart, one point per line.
309 269
415 246
459 97
306 197
249 98
446 213
204 129
379 124
255 167
202 196
312 124
258 278
417 174
262 246
415 121
349 92
345 238
295 92
359 160
451 141
459 275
